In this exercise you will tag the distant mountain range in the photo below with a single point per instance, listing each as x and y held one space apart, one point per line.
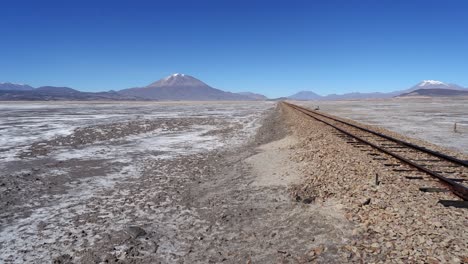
254 96
427 84
19 92
178 87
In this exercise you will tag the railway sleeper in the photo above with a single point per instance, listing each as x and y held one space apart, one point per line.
422 177
433 189
457 179
454 203
439 165
449 172
414 177
403 170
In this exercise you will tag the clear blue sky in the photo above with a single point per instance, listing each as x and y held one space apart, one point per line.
271 47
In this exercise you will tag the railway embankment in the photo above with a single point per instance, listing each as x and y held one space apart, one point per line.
395 220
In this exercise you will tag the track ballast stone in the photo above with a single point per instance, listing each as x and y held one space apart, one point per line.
396 222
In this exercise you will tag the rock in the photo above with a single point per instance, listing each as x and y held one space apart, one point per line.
432 260
375 247
298 198
135 231
319 250
308 200
366 202
63 259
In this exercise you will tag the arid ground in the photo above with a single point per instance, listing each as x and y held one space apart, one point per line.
183 182
430 119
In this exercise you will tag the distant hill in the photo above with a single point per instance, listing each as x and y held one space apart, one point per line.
309 95
254 96
437 92
305 95
182 87
278 99
14 87
51 93
60 91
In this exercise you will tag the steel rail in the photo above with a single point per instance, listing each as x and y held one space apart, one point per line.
458 189
432 152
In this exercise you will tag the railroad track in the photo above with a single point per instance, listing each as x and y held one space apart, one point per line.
413 161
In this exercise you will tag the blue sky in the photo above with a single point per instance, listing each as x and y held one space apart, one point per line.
272 47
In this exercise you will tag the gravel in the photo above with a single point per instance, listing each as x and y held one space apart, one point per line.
395 222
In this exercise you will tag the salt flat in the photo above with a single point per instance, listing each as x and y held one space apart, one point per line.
55 156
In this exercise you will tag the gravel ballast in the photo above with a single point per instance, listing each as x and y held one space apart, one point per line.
395 221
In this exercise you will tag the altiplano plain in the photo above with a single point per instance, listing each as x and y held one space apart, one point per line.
217 182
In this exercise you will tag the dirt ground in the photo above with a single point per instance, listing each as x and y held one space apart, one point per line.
288 191
227 205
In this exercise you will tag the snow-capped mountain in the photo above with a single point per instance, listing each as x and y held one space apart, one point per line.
428 83
181 87
433 84
436 92
177 80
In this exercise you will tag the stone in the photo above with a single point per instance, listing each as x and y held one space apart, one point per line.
308 200
135 231
366 202
432 260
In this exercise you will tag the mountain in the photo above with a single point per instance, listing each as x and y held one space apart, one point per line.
432 84
309 95
356 95
435 92
61 91
278 99
52 93
14 87
254 96
181 87
423 85
305 95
